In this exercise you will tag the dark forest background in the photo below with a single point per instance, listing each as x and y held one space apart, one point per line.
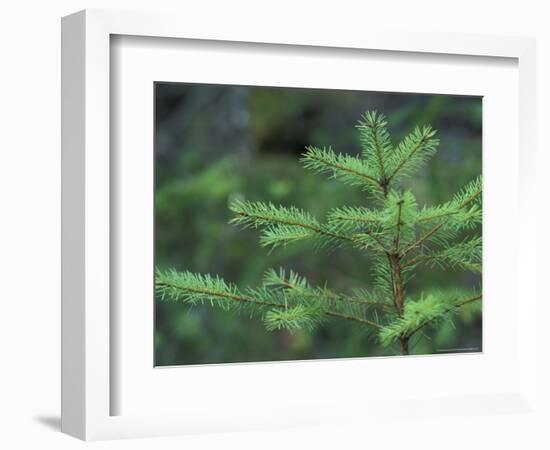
216 143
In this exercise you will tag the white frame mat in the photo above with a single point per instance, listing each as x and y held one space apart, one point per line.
88 351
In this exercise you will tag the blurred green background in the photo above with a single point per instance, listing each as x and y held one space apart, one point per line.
215 143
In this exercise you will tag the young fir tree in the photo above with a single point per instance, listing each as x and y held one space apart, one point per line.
396 234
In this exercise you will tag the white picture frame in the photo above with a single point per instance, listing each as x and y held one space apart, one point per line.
88 328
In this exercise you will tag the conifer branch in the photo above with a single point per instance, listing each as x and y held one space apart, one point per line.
453 308
474 196
419 314
370 127
370 323
349 169
413 152
421 239
393 230
379 155
375 142
466 255
193 289
470 193
300 285
356 215
282 225
437 216
366 238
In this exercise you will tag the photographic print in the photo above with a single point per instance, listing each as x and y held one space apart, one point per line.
298 224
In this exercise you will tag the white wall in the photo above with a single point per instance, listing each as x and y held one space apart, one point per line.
30 187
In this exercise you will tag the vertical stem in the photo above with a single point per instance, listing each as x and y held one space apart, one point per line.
390 262
400 298
398 225
399 293
405 346
398 284
396 265
384 186
394 261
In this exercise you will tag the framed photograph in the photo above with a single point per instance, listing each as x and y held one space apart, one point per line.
343 286
263 228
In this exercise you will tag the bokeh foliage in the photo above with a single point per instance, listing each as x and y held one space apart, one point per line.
215 144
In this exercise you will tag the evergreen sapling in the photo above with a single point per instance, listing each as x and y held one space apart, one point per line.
396 234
